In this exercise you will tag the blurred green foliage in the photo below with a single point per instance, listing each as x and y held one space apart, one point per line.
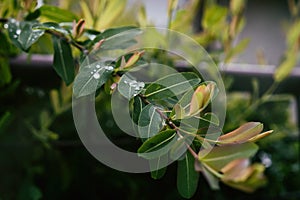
41 156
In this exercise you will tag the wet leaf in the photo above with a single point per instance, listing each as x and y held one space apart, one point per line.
172 85
129 87
91 77
150 122
28 35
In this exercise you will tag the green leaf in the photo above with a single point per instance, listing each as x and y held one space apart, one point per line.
129 87
187 177
157 166
172 85
218 157
55 14
28 35
5 75
157 145
23 34
63 60
211 118
121 40
150 121
111 32
33 15
180 147
14 32
52 26
137 109
91 77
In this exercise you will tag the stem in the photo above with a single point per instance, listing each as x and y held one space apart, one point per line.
192 152
212 170
72 42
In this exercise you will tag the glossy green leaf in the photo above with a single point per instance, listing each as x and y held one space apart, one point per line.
63 62
52 26
14 32
150 121
157 166
172 85
55 14
129 87
91 77
218 157
28 35
157 145
187 176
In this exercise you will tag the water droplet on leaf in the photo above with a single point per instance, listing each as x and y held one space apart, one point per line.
96 76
